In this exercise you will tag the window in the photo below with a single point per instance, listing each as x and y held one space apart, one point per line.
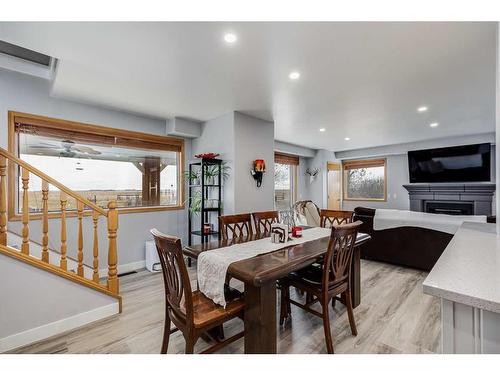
365 180
139 171
285 181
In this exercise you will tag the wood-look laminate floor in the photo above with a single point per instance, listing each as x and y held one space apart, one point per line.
394 317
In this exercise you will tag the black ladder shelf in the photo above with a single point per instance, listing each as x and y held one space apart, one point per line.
207 194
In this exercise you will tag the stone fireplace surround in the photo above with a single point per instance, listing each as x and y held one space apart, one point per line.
479 194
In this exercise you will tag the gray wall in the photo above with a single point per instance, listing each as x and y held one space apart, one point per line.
37 298
24 93
397 170
254 139
240 139
397 167
397 196
217 135
317 190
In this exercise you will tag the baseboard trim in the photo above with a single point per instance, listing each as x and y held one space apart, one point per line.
127 267
48 330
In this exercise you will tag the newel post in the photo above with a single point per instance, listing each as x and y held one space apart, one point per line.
112 251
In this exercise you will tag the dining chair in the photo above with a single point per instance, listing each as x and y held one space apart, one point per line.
329 218
263 221
232 226
191 312
307 213
326 282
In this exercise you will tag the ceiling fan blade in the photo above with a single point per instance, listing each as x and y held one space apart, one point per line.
46 147
86 150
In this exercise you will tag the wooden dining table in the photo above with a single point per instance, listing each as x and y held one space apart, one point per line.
260 273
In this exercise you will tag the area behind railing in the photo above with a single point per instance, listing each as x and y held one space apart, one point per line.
109 284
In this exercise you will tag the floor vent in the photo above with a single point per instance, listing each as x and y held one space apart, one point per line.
127 273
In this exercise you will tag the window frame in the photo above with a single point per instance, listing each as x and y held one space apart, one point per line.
293 161
363 163
162 142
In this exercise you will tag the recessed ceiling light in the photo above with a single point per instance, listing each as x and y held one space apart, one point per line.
422 109
230 38
322 129
294 75
434 125
347 139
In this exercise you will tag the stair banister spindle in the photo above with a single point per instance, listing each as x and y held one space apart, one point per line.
80 238
45 221
64 201
95 275
112 251
3 200
25 178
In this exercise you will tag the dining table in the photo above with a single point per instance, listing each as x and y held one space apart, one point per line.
260 274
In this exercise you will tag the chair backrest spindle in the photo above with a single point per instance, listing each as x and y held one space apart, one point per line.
233 226
330 218
178 293
263 221
338 258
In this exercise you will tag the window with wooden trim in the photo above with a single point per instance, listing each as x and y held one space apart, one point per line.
285 180
142 172
365 180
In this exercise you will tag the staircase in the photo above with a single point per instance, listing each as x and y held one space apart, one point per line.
20 247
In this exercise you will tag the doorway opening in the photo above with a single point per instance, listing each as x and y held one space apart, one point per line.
334 185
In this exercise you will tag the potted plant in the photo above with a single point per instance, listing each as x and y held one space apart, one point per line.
212 172
194 203
192 177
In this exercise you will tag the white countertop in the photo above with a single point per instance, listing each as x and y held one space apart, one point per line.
468 272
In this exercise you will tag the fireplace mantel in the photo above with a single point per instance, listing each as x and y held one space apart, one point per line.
481 194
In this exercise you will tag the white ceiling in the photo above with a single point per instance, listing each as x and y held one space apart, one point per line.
358 80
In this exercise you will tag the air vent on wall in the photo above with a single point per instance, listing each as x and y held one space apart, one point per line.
23 60
24 53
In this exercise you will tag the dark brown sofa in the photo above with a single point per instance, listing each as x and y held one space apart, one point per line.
406 246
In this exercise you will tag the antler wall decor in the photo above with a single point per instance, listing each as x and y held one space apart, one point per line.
312 173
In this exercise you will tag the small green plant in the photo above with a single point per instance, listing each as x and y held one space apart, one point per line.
194 203
192 177
212 171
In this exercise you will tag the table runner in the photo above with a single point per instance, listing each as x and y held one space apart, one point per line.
212 265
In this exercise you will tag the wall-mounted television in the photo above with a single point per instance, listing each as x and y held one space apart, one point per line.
470 163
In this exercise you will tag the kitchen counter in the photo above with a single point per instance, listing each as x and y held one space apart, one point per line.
467 279
468 271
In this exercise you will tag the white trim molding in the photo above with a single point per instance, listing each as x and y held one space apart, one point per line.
54 328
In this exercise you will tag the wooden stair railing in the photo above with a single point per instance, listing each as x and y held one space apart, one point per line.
111 287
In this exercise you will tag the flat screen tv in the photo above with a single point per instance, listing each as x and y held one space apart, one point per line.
451 164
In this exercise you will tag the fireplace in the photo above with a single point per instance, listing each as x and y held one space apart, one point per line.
452 199
449 208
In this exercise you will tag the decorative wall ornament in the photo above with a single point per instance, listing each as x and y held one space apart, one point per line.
312 173
258 170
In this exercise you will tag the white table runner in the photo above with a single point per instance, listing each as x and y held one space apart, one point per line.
212 265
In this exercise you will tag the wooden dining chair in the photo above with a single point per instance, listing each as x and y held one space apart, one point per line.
232 226
326 282
263 220
330 218
191 312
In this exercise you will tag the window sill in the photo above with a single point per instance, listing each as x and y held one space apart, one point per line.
121 211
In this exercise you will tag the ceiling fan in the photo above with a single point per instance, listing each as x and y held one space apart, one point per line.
68 149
